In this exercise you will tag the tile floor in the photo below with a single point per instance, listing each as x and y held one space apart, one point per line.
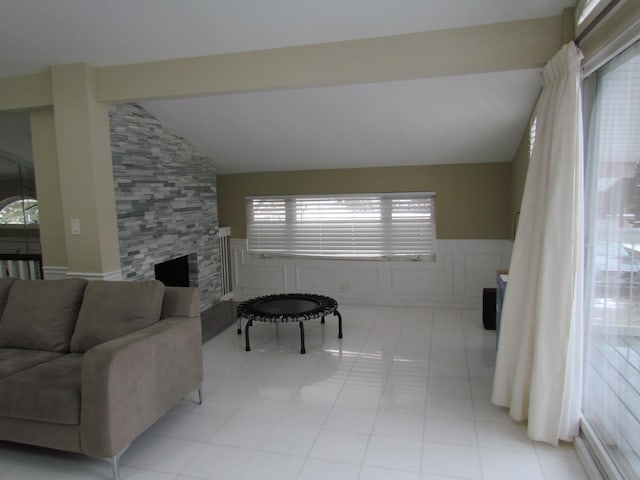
404 396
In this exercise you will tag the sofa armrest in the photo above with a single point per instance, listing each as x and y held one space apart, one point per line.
131 381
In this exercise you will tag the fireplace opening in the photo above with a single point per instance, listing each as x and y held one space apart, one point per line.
174 273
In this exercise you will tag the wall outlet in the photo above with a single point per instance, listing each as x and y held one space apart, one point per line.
75 226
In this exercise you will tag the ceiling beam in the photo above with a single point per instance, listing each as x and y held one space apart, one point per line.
480 49
26 92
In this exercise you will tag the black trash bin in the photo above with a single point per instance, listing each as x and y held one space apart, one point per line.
489 308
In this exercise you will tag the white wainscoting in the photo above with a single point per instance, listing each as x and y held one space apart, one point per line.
462 269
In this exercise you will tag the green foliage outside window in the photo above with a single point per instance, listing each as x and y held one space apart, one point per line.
20 212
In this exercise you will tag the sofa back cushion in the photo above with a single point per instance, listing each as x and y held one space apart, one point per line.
5 286
41 314
112 309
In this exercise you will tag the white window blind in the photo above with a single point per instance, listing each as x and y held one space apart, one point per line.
359 226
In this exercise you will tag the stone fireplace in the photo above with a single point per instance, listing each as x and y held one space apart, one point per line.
165 201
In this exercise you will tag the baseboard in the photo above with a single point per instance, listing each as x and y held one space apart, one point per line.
586 460
54 273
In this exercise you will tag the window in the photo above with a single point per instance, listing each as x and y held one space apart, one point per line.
588 8
588 12
19 211
364 226
611 400
532 135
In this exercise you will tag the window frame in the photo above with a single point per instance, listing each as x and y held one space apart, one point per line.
9 201
358 235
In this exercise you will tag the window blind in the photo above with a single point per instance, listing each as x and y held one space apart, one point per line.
362 226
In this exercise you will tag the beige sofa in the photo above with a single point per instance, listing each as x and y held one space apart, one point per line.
87 366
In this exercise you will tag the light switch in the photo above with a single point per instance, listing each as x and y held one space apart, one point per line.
75 226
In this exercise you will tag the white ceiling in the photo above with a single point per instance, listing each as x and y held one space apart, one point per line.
475 118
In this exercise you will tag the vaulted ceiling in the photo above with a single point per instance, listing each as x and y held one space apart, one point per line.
472 117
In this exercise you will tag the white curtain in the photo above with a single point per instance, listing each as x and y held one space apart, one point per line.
539 365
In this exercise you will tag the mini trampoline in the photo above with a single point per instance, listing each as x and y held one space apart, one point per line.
287 307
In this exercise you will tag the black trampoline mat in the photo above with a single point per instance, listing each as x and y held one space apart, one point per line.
286 306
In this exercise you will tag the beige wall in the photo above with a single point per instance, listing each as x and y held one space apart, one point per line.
45 158
519 167
473 201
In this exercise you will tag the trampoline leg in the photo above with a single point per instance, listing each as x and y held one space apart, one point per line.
322 321
302 350
246 335
337 313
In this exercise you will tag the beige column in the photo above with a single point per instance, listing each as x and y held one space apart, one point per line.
86 174
45 160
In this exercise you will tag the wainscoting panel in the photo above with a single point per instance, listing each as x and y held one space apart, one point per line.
462 269
479 270
256 274
423 278
335 277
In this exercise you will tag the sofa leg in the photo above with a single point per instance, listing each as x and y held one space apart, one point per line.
115 467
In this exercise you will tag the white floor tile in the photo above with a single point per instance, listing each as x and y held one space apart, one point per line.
449 370
451 460
305 414
413 378
506 465
324 392
272 466
354 420
566 467
187 426
131 473
318 469
448 355
453 407
508 436
265 409
290 440
481 389
340 446
11 455
449 387
450 430
403 401
398 425
394 453
218 462
359 397
377 473
238 432
164 454
433 477
486 411
39 467
219 404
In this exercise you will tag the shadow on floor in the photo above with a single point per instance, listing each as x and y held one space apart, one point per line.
217 318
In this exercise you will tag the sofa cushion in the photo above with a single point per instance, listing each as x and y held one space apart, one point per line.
5 286
49 392
41 314
112 309
14 360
